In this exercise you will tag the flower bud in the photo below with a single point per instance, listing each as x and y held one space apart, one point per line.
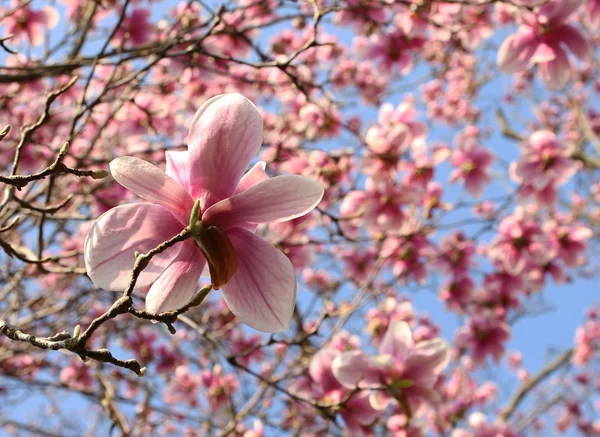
219 254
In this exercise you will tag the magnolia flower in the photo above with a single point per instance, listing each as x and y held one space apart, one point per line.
404 370
543 39
257 281
26 23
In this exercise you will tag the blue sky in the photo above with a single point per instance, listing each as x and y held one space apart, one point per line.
534 336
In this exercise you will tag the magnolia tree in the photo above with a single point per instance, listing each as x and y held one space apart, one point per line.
304 218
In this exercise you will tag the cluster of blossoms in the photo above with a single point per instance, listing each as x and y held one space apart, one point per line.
362 386
351 163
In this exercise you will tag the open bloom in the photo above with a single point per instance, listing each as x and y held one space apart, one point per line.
26 23
472 162
404 370
543 39
257 281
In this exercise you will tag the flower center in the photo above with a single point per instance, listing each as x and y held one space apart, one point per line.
215 247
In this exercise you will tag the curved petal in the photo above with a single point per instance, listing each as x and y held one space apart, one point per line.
254 177
576 42
152 184
275 200
379 400
320 369
177 284
356 369
543 53
559 10
225 135
361 409
178 167
262 293
193 133
431 356
556 73
543 138
516 51
398 340
115 237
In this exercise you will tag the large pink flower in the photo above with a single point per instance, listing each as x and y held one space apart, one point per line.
543 39
257 281
404 370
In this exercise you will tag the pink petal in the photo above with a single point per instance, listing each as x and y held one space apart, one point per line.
575 41
152 184
361 409
379 400
356 369
177 285
516 51
543 53
201 110
475 184
431 356
225 135
35 34
117 234
556 73
178 167
255 176
320 369
542 138
51 17
593 14
581 234
398 340
400 135
274 200
262 293
559 10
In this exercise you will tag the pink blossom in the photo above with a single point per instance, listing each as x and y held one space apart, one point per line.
135 29
358 263
184 386
479 427
544 162
456 254
363 15
394 49
221 388
142 342
25 22
501 289
256 431
356 410
420 172
569 240
246 348
379 208
587 338
471 24
485 334
78 376
593 14
224 136
457 293
407 256
472 162
542 39
518 239
405 371
396 129
379 319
